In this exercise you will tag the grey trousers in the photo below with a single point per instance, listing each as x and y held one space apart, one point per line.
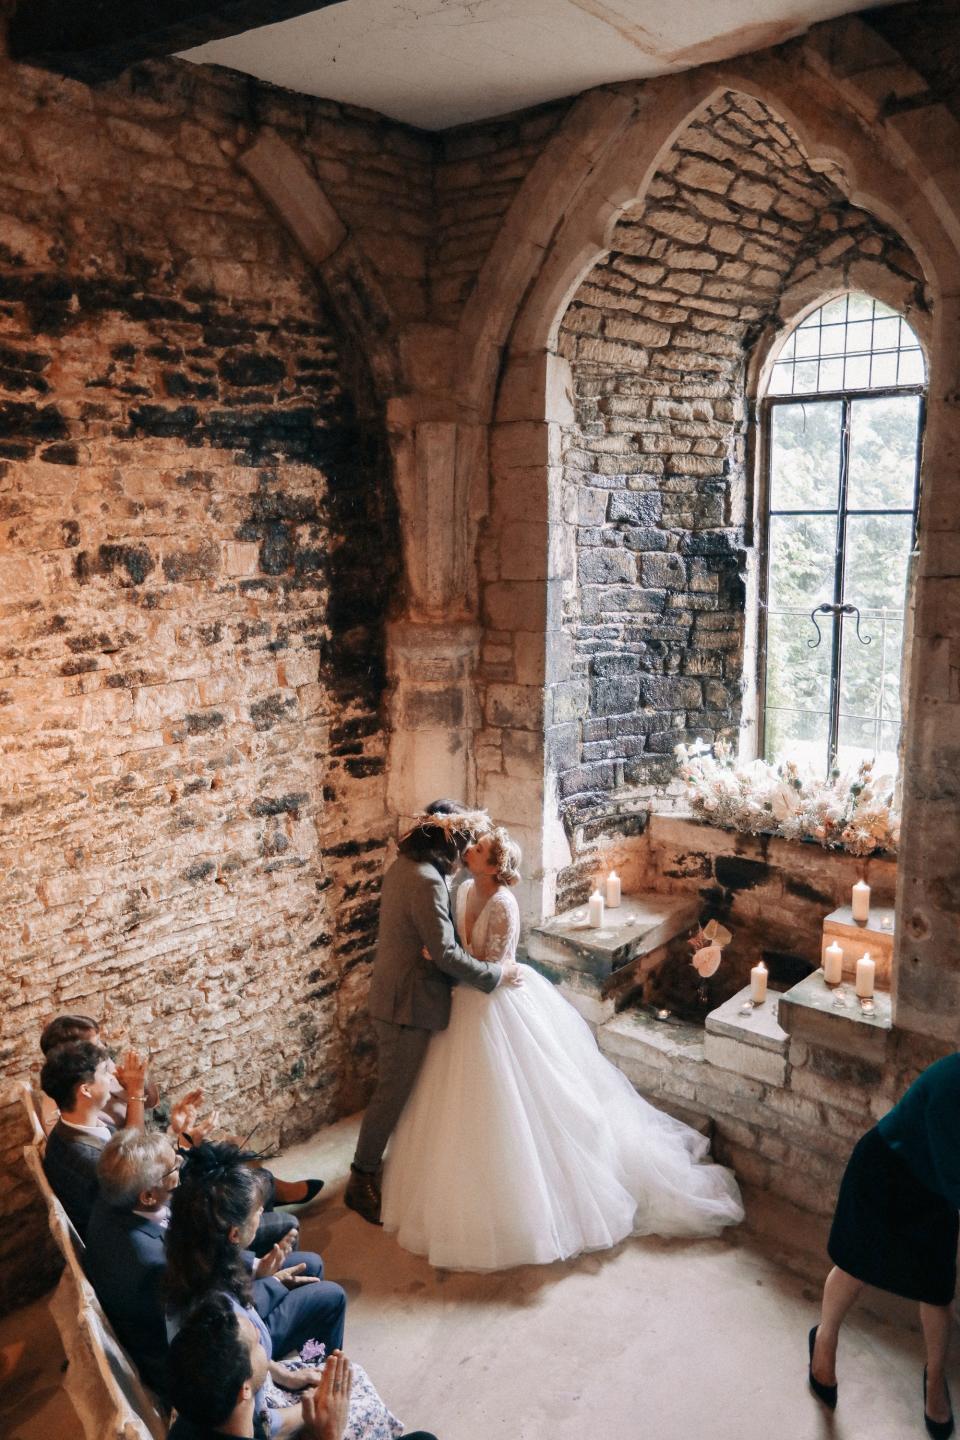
400 1052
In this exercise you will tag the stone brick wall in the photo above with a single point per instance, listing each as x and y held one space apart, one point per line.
658 337
479 170
197 552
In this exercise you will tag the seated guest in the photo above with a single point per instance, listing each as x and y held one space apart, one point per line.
187 1127
218 1368
125 1257
77 1078
215 1212
63 1030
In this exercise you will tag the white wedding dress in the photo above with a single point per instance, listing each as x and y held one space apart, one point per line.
521 1144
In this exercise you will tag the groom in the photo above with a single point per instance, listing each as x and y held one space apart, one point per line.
419 959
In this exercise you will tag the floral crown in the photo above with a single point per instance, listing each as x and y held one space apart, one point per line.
461 825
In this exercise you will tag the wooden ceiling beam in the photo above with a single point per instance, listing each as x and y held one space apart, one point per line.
97 39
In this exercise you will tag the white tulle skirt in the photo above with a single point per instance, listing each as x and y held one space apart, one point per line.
521 1144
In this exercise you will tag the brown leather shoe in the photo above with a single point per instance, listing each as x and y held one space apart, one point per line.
363 1195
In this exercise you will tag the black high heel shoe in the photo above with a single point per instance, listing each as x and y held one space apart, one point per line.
936 1429
826 1394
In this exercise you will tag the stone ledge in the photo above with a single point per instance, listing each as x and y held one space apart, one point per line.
760 1027
808 1013
640 925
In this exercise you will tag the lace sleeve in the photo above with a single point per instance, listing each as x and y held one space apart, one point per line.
503 929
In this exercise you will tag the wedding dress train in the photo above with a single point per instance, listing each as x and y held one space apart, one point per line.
521 1144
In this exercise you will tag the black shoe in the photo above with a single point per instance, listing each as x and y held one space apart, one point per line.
827 1394
937 1429
313 1190
363 1195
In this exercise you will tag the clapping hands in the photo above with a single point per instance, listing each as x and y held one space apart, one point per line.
326 1409
188 1126
270 1264
132 1072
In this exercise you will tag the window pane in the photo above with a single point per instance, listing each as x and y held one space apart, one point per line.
877 552
887 760
802 736
858 740
802 562
798 675
870 673
805 455
856 375
883 369
911 370
781 381
883 452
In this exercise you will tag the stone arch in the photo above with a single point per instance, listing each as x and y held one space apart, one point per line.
824 90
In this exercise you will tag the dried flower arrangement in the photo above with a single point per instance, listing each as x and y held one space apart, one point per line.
850 811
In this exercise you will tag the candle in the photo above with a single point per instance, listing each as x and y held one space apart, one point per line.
758 983
866 970
612 889
596 910
861 901
833 964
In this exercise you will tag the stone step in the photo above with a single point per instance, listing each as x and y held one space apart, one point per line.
644 1048
639 926
749 1041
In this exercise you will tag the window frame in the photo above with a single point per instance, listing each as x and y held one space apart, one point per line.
834 630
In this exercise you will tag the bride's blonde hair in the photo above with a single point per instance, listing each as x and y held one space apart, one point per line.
506 855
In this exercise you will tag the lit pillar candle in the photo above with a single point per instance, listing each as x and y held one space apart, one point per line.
612 889
866 971
861 901
596 910
833 964
758 983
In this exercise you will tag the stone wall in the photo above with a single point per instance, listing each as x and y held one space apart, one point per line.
197 553
656 473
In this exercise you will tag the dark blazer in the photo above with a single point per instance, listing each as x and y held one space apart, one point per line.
125 1261
406 988
70 1164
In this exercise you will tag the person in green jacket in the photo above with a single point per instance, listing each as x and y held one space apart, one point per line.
895 1227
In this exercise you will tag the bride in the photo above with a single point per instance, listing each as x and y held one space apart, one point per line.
520 1143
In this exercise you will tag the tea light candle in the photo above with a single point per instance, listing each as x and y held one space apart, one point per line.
860 901
833 964
612 889
596 910
758 983
866 971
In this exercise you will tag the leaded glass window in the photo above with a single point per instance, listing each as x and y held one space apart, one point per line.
841 426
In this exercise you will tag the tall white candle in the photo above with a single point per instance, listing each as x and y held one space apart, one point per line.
758 983
833 964
596 910
612 889
860 901
866 971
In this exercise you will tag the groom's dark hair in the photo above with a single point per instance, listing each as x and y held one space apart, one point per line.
445 807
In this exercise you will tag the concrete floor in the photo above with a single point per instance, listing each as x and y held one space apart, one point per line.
656 1339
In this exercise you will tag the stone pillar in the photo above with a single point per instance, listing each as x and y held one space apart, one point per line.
530 706
433 649
927 968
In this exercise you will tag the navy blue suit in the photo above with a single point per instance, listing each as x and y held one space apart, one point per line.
125 1261
70 1164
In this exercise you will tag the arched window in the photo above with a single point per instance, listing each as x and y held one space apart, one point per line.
841 468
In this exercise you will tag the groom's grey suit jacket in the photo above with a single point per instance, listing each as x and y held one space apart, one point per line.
406 988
